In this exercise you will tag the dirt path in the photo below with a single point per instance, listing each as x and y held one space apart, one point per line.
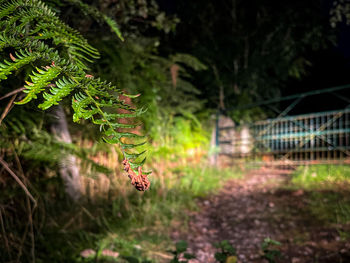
247 211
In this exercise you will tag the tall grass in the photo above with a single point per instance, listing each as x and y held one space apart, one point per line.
322 176
144 219
327 189
148 216
114 215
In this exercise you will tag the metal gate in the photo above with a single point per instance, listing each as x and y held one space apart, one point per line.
322 137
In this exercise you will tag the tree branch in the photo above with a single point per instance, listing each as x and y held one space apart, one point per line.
12 93
7 168
8 108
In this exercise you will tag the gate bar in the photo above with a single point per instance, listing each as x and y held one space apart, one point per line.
290 97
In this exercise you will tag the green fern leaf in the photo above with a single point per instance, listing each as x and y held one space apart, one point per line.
6 9
33 30
130 135
135 165
114 27
111 140
129 146
100 17
63 88
116 125
135 114
133 155
40 80
80 104
23 58
131 96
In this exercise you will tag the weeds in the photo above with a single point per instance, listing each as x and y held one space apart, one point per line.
227 253
270 250
327 192
180 254
321 177
136 225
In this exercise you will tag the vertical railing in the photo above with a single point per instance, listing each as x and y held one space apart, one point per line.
305 137
311 137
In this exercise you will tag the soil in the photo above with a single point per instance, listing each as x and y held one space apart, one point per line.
247 211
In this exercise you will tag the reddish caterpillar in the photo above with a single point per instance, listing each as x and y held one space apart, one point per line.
140 181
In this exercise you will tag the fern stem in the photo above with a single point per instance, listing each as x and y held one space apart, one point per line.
100 111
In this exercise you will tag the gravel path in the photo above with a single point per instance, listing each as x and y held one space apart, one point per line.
249 210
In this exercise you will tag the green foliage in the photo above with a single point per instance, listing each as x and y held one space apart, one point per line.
32 31
180 252
62 89
174 116
330 207
202 181
340 12
24 58
135 226
327 194
327 187
270 250
321 176
253 48
189 61
99 16
132 17
28 139
40 80
227 253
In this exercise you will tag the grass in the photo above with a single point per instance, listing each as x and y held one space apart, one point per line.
150 214
327 192
121 219
322 177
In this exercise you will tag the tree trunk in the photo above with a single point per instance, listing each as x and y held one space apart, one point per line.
221 88
69 170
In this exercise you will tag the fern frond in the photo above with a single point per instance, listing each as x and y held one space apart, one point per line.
7 8
48 26
135 114
129 146
24 57
40 80
129 135
116 124
133 155
80 103
4 40
137 165
113 25
99 16
39 37
63 88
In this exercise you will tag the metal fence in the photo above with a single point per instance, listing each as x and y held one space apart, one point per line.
309 137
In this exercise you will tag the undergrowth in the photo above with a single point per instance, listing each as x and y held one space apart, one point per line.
327 191
321 176
134 225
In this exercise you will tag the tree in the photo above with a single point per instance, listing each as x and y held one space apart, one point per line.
253 47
